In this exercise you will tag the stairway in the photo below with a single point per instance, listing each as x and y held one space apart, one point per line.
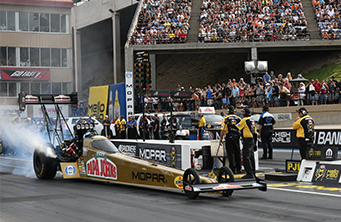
311 20
194 22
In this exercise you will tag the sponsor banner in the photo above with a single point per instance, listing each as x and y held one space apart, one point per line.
161 94
12 110
168 154
98 99
24 74
118 106
292 166
181 94
327 173
287 138
37 111
129 94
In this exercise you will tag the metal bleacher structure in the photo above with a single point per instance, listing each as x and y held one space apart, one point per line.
251 48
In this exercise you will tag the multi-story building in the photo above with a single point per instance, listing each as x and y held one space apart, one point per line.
35 48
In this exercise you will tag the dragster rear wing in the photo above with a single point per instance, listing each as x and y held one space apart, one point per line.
42 99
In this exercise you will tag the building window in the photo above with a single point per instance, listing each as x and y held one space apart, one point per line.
3 57
3 23
11 56
35 88
11 21
12 89
23 21
55 23
34 57
64 23
45 57
34 21
25 87
45 22
56 88
46 88
24 57
3 89
55 57
66 88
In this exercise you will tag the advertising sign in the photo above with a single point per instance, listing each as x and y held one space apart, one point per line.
287 138
327 173
169 154
98 100
129 94
24 74
117 101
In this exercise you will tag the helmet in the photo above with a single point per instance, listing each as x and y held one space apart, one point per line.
247 112
265 108
230 109
302 110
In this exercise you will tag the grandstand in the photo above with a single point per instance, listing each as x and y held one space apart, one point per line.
176 27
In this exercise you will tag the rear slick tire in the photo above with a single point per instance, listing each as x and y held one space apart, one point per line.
225 175
190 177
44 167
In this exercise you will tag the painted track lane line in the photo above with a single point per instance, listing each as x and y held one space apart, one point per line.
305 192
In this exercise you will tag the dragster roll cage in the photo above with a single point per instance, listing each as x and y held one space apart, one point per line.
51 99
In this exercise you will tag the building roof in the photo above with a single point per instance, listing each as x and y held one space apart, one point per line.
48 3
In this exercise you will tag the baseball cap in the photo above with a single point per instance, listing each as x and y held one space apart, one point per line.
333 76
268 84
312 80
299 75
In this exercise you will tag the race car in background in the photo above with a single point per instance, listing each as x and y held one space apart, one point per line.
94 157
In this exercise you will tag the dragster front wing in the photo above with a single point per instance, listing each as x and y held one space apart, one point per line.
236 185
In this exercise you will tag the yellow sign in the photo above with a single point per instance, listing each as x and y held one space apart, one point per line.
292 166
98 101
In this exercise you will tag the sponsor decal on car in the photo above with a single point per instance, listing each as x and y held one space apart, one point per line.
101 167
226 186
178 182
100 154
70 170
153 154
153 177
188 188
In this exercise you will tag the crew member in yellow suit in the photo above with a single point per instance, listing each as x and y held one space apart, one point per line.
202 126
123 126
248 131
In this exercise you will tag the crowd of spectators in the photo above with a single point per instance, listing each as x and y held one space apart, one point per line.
269 89
252 20
162 21
328 17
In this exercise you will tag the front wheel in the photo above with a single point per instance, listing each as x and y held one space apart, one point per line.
225 175
44 166
190 177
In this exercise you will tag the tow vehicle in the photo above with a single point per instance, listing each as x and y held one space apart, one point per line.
90 156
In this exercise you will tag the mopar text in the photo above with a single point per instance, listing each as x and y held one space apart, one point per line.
151 154
154 177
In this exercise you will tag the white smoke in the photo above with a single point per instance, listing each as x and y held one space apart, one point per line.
19 139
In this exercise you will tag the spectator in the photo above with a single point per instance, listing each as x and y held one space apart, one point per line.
323 91
310 89
301 94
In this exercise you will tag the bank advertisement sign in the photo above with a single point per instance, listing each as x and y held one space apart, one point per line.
98 100
117 101
287 138
169 154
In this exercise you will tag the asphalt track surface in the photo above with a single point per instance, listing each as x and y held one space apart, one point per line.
25 198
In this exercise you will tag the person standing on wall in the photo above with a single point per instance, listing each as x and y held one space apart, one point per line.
202 126
304 126
231 139
266 125
249 134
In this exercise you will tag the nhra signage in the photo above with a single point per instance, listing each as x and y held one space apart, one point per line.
327 173
24 74
287 138
169 154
